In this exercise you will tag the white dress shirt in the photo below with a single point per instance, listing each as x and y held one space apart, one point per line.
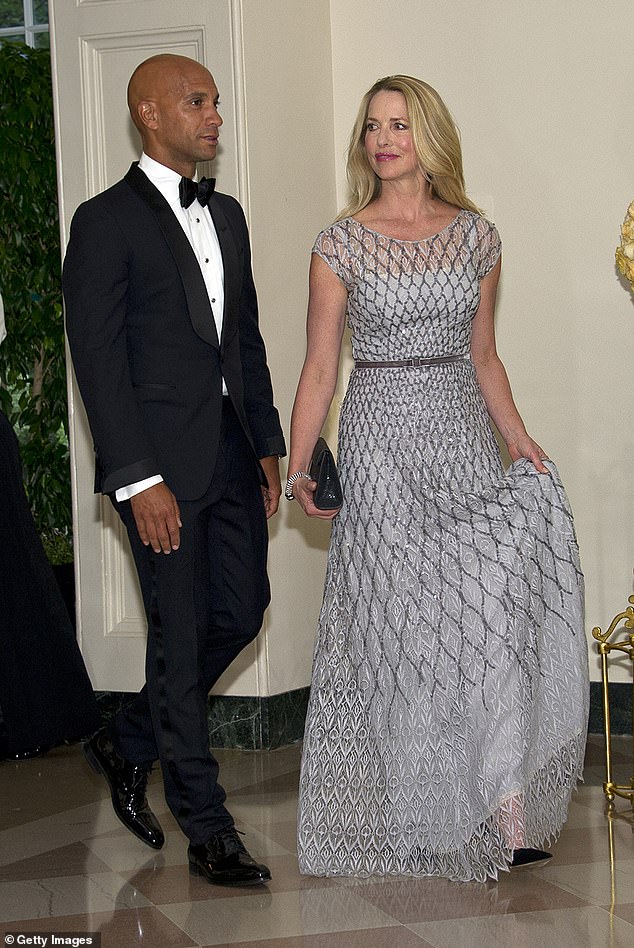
199 229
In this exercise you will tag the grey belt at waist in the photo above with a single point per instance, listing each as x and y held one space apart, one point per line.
410 363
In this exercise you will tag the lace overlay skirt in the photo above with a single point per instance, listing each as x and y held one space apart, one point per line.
448 708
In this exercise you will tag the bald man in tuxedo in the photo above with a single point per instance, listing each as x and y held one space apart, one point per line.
162 322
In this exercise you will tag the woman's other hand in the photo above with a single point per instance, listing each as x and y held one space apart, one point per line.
525 447
303 492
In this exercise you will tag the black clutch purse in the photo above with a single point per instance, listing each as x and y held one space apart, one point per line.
328 495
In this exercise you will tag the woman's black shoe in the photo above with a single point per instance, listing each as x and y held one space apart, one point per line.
523 858
27 753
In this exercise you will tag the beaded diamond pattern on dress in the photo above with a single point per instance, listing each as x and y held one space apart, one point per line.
448 708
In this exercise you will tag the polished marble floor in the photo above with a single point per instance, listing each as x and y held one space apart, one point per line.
67 865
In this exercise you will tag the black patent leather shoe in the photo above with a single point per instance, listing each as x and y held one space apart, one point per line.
223 860
127 783
523 858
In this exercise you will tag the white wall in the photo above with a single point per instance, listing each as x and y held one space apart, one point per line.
543 97
289 129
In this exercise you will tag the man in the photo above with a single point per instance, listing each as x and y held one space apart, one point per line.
162 323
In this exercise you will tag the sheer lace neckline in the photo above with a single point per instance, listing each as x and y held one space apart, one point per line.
401 240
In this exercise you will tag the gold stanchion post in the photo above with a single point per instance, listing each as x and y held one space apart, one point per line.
605 648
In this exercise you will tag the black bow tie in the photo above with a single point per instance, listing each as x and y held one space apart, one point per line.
189 190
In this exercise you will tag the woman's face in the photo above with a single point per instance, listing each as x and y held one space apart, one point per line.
388 137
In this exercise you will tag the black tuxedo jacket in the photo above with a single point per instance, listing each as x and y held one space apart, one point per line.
143 340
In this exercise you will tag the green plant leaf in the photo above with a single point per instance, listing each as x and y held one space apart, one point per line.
30 281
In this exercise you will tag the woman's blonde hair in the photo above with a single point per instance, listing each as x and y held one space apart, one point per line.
436 141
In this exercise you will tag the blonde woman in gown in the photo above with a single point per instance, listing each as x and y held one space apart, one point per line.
448 708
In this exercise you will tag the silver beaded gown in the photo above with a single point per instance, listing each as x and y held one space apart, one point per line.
449 701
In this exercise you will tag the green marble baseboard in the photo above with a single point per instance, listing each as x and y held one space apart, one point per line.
248 723
620 697
252 723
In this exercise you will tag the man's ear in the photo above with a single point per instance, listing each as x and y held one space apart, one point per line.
148 114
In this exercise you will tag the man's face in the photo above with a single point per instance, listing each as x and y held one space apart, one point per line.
184 116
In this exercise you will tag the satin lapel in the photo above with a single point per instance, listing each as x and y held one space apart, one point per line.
230 263
198 304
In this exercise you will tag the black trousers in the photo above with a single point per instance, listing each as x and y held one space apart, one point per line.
204 603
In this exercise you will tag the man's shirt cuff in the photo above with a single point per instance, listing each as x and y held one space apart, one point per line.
125 493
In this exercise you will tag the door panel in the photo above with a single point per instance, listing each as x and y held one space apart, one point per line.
95 46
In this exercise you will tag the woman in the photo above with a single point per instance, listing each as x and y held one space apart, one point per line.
448 708
45 693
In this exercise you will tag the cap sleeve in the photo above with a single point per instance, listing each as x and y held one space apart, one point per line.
489 246
333 247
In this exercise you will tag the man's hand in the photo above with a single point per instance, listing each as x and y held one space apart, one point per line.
273 492
157 518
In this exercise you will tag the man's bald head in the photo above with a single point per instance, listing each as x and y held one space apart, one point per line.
172 101
156 77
